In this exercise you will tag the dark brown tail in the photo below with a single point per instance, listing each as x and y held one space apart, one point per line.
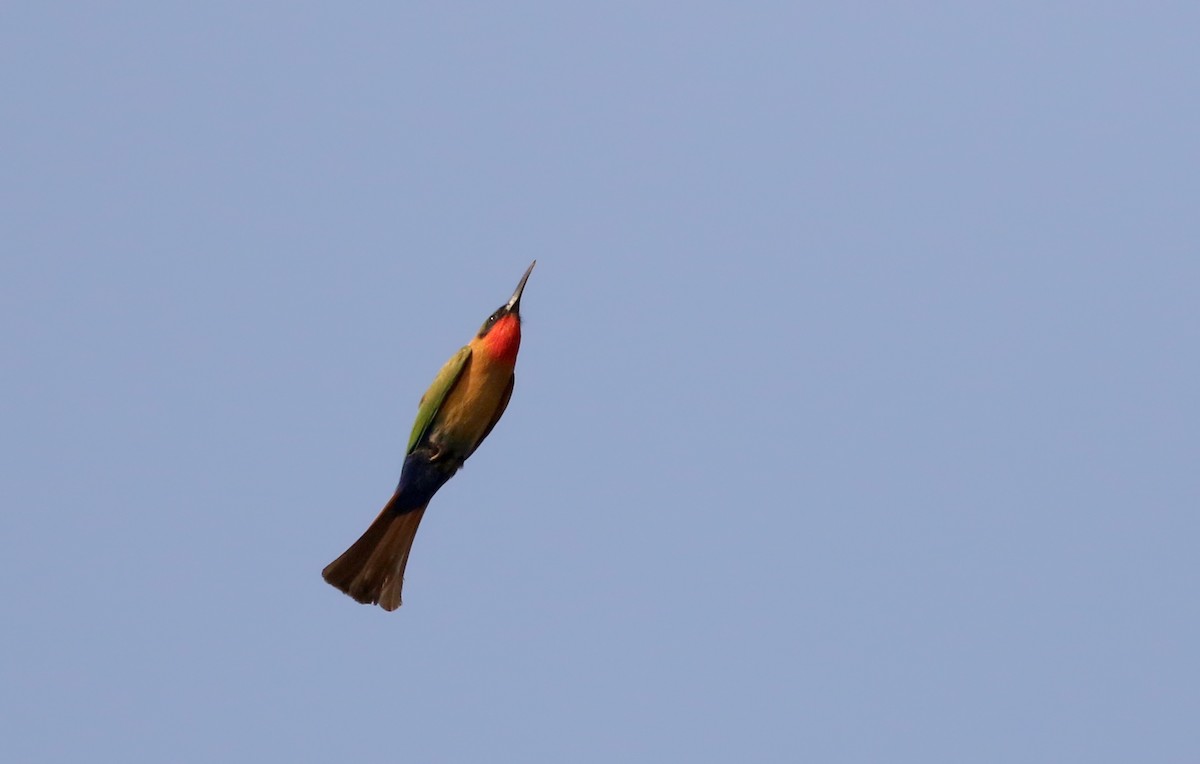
372 569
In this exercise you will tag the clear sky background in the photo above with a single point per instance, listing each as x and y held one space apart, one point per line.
856 418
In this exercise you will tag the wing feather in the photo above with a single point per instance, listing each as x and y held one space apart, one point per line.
433 398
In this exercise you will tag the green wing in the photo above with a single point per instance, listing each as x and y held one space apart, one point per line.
432 400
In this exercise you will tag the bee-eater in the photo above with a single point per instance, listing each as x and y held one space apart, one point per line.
457 412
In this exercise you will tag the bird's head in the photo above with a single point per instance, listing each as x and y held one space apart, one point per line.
500 335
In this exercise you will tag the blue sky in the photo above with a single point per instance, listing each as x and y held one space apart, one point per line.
856 417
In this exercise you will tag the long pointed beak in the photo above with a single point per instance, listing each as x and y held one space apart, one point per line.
514 302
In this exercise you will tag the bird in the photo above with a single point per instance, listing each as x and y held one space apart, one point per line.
455 415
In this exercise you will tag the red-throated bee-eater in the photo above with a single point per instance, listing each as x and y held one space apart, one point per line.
456 413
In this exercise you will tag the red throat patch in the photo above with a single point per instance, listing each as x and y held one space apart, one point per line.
504 339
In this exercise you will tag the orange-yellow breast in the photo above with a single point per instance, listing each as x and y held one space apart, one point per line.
471 405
